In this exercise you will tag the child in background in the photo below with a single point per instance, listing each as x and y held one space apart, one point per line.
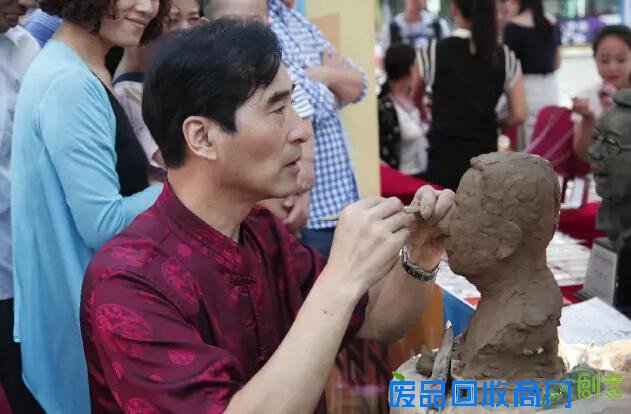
612 53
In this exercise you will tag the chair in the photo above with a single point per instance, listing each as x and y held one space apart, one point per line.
552 139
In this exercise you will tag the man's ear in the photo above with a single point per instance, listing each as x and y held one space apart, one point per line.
509 240
200 134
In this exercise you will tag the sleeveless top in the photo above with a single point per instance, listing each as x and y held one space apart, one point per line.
464 91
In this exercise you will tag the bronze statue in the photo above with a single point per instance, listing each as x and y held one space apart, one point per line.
610 157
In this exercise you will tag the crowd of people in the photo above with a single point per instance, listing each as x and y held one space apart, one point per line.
165 166
213 134
495 79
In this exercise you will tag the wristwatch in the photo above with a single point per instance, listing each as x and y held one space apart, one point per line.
415 270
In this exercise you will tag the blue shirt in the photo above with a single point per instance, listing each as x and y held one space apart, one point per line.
303 44
65 203
42 26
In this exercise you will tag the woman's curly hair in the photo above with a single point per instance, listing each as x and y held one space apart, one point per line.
89 13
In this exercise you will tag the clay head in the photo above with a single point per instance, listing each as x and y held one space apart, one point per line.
507 206
610 151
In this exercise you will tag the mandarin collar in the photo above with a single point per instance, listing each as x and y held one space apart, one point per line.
208 240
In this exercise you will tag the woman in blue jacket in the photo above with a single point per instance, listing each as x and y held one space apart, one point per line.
79 177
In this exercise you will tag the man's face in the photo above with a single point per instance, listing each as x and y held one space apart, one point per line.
262 159
11 11
243 9
470 246
610 154
184 15
415 5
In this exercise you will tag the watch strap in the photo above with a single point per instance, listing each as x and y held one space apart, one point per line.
415 270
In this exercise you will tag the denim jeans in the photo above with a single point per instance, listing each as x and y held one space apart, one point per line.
321 239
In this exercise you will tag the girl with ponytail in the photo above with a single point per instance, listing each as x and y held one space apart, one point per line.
466 74
535 39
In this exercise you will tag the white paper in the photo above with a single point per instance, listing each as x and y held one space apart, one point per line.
576 194
601 274
593 322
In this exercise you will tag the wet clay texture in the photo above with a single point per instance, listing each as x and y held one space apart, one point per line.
506 212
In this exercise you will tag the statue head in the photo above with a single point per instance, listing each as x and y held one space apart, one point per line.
610 151
507 207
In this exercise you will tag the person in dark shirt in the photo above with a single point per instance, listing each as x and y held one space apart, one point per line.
466 74
535 39
205 303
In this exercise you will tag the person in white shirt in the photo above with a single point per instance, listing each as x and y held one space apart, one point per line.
17 50
402 141
415 26
612 54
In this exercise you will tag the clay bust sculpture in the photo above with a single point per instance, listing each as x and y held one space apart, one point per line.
506 213
610 156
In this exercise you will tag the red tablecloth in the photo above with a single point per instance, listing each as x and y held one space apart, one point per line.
581 224
395 184
569 294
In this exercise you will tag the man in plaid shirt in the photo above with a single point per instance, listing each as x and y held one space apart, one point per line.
330 82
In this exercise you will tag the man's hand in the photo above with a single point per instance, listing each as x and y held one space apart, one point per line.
306 177
293 211
297 208
275 205
319 74
332 58
366 243
346 82
425 244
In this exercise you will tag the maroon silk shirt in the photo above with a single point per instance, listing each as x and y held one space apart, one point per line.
176 317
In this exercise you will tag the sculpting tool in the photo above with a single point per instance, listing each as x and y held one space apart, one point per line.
406 209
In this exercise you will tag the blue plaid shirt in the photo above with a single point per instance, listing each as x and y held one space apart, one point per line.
303 44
